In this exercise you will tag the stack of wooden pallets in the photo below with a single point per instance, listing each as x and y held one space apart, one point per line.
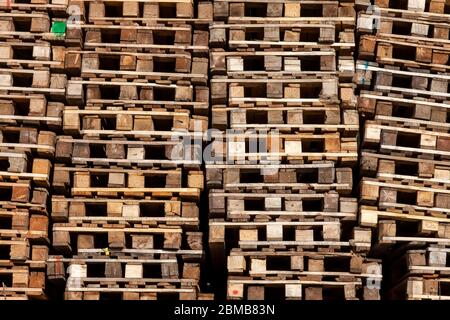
105 107
283 216
426 273
402 73
32 87
125 202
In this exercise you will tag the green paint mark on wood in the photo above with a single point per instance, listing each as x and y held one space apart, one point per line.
59 27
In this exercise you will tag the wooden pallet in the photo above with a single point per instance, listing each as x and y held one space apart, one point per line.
302 264
429 9
18 165
411 24
131 64
388 50
66 177
115 270
429 223
316 176
30 140
56 9
142 211
167 12
30 110
34 26
249 92
297 268
153 294
24 81
408 142
134 292
20 194
277 147
421 288
120 152
432 197
420 274
397 110
416 169
249 289
138 93
252 235
82 189
287 119
149 66
132 123
272 63
397 232
141 277
22 252
26 55
21 283
430 263
140 38
242 205
407 84
404 169
280 35
23 225
341 12
115 235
